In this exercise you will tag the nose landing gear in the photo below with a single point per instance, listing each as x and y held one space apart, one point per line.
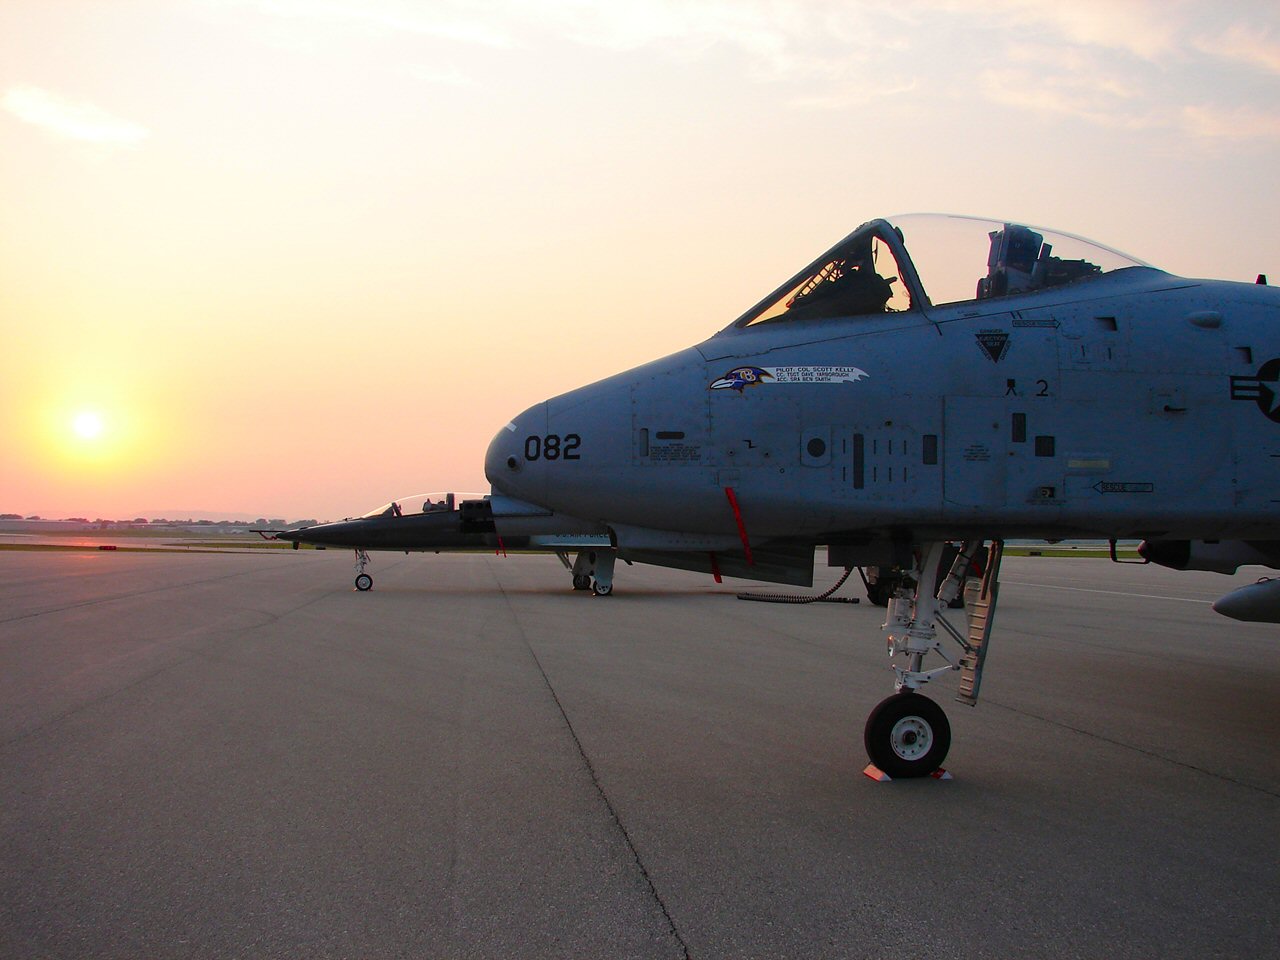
908 735
363 580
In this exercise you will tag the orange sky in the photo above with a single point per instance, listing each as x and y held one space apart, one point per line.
303 257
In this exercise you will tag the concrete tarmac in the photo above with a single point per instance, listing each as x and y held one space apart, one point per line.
237 755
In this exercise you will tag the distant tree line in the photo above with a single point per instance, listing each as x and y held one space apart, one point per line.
140 521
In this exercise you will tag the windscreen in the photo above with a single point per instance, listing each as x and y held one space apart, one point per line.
968 258
860 276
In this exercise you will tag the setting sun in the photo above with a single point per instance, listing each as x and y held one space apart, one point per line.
88 425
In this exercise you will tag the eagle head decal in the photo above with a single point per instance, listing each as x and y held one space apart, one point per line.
740 378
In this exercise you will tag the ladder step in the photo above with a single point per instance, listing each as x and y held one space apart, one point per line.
981 610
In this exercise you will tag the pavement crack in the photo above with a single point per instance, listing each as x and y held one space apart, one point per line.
595 781
1136 749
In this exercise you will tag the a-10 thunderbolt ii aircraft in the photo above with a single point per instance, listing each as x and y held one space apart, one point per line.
447 522
931 380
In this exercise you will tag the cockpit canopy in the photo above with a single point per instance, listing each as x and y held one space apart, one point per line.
950 260
421 503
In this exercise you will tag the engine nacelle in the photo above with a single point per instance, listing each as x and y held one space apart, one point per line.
1219 556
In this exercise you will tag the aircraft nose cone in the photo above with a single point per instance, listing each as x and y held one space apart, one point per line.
291 536
508 464
502 458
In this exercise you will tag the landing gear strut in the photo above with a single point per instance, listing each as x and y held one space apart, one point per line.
593 570
908 735
883 582
363 580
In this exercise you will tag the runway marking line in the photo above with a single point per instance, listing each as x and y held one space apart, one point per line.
1114 593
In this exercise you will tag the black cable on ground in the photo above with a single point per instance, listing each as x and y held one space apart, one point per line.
801 598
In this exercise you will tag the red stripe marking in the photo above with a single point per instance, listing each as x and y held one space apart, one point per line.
742 530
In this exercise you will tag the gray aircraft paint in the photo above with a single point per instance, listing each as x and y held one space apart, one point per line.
1108 413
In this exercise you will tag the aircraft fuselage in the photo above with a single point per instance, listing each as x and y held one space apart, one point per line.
1135 404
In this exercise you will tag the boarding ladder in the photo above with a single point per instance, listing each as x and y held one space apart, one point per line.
980 606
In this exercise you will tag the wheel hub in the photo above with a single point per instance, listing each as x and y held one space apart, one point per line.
911 738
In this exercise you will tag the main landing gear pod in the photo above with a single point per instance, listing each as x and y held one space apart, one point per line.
908 735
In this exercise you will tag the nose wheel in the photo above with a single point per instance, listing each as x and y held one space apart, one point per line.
907 735
363 580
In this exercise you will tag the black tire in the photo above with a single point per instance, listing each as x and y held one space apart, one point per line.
581 581
364 582
602 589
907 735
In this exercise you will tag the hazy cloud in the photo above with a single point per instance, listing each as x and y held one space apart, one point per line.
1099 61
1237 123
1245 44
460 23
854 95
1108 64
70 119
1145 28
444 75
781 39
1078 67
1088 98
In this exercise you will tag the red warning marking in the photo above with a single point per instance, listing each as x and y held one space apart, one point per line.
742 530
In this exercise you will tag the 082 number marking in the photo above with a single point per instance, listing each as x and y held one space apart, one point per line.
552 447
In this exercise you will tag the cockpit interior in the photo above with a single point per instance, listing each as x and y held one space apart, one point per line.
420 503
951 260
